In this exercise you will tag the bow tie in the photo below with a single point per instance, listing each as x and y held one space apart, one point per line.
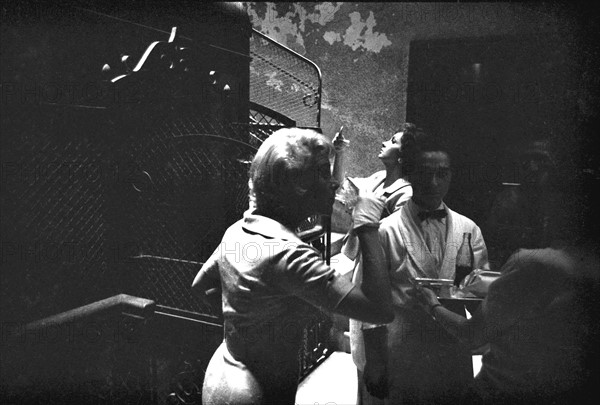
435 214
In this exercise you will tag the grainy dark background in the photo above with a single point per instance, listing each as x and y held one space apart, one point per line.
381 64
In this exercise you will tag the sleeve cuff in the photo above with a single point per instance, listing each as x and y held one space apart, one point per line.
338 290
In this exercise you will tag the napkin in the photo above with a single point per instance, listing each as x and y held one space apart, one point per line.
477 283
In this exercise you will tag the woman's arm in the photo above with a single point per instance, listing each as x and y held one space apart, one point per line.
469 331
207 284
372 300
340 144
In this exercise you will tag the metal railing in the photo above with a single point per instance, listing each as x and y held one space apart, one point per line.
284 81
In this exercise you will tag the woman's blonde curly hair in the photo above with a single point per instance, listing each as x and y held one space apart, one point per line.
276 175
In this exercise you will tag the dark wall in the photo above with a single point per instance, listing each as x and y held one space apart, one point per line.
487 97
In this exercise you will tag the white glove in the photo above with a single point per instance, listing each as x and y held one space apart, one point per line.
368 210
339 142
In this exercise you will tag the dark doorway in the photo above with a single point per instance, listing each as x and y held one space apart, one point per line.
486 97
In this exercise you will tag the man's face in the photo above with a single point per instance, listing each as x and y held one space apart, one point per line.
431 179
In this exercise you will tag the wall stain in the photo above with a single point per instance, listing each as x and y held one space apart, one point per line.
369 40
290 28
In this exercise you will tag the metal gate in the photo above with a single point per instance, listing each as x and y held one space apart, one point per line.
130 190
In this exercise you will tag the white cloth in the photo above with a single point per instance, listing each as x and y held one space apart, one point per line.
434 232
368 209
407 254
402 232
396 195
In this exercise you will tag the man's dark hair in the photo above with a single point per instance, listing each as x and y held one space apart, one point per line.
422 142
430 143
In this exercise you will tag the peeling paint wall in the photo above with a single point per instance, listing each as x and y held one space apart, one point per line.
362 51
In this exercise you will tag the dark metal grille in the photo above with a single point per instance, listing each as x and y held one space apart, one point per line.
316 345
55 177
257 117
259 133
190 189
264 121
169 281
284 81
189 184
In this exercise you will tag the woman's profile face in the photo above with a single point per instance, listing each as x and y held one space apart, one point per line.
390 149
321 193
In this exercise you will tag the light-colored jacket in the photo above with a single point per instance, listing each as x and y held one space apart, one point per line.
396 194
408 255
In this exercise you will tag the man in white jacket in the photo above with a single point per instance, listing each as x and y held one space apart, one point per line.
413 360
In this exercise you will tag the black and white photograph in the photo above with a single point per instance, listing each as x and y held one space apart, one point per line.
309 203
